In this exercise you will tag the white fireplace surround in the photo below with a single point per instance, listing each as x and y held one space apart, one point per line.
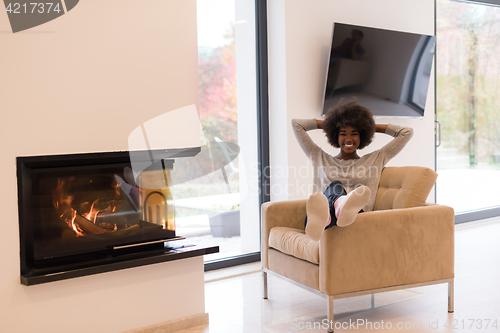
81 83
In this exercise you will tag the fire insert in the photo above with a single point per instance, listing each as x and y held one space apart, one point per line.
84 210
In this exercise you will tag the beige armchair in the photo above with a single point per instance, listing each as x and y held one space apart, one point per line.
403 243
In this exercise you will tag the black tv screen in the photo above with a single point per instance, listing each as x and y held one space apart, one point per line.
387 71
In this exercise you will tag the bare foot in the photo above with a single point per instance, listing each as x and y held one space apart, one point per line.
318 215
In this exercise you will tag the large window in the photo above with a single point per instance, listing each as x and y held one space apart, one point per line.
468 105
218 204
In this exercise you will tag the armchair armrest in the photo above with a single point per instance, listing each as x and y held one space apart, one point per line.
388 248
280 214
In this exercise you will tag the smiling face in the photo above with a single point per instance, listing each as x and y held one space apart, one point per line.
349 139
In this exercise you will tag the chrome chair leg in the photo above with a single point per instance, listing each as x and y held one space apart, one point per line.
451 296
264 279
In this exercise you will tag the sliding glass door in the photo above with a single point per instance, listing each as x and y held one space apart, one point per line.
468 105
218 204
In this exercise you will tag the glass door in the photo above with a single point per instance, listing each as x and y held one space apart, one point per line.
218 204
468 105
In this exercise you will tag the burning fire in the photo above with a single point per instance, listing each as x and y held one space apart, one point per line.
83 221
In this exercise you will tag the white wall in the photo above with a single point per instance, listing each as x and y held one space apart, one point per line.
278 99
82 83
299 42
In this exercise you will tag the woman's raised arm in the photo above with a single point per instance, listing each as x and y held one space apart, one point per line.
319 123
401 137
300 128
380 128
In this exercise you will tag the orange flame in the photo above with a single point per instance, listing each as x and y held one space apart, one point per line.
92 214
73 225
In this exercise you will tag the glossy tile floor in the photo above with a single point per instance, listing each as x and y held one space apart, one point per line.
236 305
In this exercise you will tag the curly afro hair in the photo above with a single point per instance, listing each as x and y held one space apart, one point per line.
349 113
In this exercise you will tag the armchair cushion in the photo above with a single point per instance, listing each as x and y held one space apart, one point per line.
295 243
404 187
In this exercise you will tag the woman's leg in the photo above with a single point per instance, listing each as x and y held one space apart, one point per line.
334 191
321 211
326 210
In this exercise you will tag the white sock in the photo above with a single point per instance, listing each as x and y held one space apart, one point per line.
347 209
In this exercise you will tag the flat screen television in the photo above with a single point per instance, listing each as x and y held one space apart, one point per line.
387 71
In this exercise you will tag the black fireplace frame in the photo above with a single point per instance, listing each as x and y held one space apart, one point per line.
89 263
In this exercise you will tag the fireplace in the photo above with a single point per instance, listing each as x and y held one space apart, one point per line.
86 211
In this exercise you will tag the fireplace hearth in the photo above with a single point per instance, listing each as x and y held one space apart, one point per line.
88 213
